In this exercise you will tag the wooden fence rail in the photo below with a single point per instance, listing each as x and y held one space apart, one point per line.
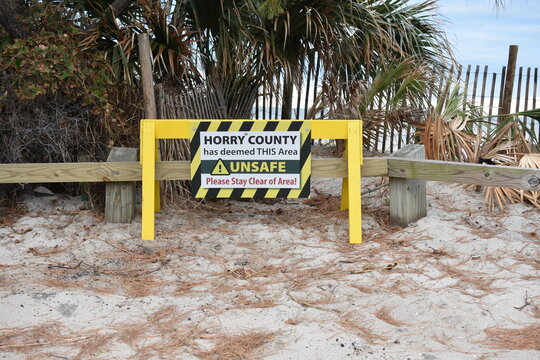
464 173
489 175
406 170
165 170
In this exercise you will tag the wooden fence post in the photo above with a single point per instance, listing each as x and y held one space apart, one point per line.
407 196
147 80
149 97
506 101
120 196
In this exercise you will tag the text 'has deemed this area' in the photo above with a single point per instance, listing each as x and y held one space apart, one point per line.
257 145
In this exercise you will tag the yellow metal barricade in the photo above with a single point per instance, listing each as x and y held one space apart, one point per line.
350 130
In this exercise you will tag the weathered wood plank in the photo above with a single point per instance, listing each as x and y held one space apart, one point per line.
483 92
509 82
466 85
70 172
336 168
165 170
518 92
463 173
179 170
475 83
146 76
120 195
535 86
84 188
149 97
407 196
491 97
501 92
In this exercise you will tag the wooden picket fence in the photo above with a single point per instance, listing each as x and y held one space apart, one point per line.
482 86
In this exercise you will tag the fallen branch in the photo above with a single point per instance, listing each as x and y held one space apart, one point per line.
528 301
64 266
115 246
307 304
365 192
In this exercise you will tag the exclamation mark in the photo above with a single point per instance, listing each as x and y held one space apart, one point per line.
220 169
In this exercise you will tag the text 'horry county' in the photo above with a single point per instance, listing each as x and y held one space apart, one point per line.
250 139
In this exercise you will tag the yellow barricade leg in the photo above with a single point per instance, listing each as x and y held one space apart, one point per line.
345 185
148 179
354 161
157 190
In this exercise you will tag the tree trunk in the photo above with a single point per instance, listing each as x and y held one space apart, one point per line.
10 14
286 106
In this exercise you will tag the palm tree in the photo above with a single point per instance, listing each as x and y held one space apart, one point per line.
349 37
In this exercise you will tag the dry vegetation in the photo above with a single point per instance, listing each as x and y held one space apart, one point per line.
238 347
527 338
164 333
384 314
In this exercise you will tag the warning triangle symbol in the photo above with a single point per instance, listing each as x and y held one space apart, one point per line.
220 169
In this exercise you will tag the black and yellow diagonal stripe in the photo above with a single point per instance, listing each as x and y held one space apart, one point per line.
304 127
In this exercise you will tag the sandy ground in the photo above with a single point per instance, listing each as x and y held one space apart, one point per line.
246 280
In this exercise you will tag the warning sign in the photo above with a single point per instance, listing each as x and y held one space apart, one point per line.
251 158
220 169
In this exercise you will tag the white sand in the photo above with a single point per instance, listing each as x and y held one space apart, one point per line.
231 269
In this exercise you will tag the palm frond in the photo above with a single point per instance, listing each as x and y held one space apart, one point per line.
446 133
498 197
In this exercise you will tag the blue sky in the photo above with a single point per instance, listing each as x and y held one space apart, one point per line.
481 35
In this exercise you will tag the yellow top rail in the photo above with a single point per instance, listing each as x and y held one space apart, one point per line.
179 129
152 130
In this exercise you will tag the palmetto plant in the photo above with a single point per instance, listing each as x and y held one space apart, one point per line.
272 42
507 145
499 197
457 131
352 39
395 96
447 132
